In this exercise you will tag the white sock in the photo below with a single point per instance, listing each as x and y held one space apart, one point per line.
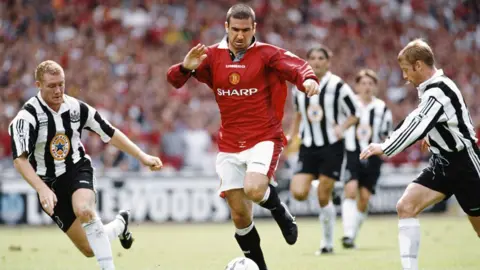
327 220
349 217
114 228
246 230
99 243
409 241
359 218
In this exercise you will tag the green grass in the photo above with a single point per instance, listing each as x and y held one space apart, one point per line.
448 243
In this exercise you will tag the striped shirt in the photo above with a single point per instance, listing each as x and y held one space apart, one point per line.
51 140
322 112
442 117
374 125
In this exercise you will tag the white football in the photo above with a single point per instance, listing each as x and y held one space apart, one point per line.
241 263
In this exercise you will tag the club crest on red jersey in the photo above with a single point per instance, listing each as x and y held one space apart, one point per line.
234 78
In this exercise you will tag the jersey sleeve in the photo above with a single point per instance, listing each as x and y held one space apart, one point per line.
416 125
290 67
23 134
96 123
348 101
178 76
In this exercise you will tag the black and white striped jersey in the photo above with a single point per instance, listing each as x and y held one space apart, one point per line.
442 117
322 112
50 139
374 125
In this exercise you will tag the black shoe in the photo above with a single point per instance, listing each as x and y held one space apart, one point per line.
348 243
287 224
324 251
126 238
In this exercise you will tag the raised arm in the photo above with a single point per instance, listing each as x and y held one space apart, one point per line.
195 63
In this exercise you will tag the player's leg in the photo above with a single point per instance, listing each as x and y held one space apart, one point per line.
114 229
349 213
300 185
414 200
306 172
83 203
330 171
231 170
246 234
368 176
349 202
364 195
327 214
262 161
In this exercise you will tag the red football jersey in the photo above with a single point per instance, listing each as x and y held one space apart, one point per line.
250 90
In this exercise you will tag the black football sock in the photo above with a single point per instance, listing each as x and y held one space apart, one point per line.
271 200
249 241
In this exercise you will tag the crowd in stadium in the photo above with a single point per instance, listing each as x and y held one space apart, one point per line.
116 54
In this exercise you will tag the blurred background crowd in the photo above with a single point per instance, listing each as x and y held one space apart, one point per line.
116 54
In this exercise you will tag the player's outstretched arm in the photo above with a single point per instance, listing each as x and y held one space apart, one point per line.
122 142
48 199
193 64
293 69
415 127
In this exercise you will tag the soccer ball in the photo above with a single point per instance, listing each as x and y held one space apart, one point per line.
241 263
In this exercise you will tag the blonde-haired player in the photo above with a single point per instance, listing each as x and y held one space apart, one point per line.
442 118
48 153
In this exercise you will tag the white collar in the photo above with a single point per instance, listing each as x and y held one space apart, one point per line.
366 106
324 79
63 106
224 43
423 85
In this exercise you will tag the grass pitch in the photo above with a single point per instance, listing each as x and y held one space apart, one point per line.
448 243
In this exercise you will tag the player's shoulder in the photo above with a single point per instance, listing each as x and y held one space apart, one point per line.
441 84
380 103
335 79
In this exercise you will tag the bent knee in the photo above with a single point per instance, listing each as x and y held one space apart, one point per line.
406 209
255 190
300 195
84 213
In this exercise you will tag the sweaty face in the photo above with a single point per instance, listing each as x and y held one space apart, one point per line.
319 62
240 33
366 87
409 74
52 88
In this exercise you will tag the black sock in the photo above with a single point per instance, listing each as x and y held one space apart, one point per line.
250 245
273 202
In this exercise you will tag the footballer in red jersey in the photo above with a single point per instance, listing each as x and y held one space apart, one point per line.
248 79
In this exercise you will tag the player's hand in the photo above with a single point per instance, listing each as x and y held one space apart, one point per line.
154 163
48 199
311 87
195 56
372 150
338 131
